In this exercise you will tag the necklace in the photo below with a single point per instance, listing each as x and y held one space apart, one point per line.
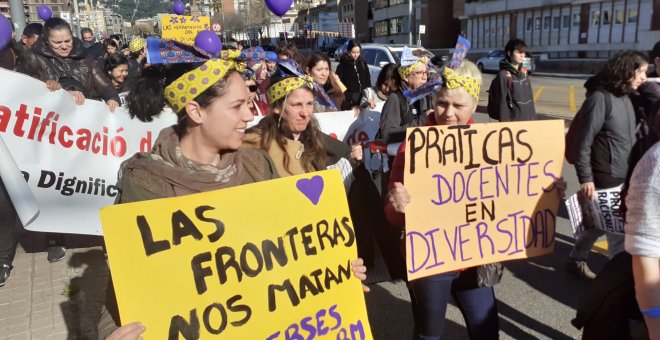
300 151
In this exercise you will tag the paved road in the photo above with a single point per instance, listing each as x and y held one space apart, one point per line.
553 97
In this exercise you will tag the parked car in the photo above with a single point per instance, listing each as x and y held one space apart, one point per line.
491 63
379 55
339 52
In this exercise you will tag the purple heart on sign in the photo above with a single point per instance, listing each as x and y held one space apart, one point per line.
312 188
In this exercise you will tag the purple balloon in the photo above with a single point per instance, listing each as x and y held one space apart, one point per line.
5 32
44 12
279 7
208 41
179 7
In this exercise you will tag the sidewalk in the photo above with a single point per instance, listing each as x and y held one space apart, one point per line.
59 300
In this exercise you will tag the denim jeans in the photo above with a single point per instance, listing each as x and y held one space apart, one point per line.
430 296
586 240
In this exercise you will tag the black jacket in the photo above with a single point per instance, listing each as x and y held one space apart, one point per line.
94 51
397 116
355 75
75 72
604 141
520 103
19 58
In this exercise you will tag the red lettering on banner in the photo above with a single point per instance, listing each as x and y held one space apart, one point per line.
39 126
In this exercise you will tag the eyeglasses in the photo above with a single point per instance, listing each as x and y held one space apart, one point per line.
420 74
252 88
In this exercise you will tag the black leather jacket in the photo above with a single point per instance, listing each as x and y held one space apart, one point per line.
74 72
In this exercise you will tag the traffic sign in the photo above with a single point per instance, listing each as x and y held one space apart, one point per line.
216 27
422 29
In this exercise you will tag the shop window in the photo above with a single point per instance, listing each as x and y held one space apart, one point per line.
606 18
618 17
595 18
633 14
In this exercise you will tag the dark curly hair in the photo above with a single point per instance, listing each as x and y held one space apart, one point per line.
617 72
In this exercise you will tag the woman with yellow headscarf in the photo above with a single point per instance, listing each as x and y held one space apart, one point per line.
291 135
454 104
397 113
202 152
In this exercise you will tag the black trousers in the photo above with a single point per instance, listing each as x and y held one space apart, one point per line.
10 228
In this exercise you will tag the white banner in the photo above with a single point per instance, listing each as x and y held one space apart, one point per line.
69 154
604 213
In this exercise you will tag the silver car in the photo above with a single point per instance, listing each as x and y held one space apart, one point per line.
339 52
379 55
491 63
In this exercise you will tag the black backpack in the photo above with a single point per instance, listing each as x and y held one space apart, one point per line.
494 95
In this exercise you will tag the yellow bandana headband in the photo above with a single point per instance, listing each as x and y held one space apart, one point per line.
405 71
192 84
285 86
452 81
137 45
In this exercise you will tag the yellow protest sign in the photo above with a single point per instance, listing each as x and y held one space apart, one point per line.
183 28
480 193
262 261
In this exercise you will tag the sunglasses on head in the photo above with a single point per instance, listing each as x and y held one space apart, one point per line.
252 88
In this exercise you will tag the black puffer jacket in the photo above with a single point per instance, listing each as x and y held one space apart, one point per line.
604 141
75 72
355 75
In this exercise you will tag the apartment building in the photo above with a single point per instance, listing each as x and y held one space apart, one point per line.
346 10
396 21
4 9
562 28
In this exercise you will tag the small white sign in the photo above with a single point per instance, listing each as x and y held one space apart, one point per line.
422 29
604 213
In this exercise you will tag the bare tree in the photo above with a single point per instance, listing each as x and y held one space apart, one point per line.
259 16
140 29
233 23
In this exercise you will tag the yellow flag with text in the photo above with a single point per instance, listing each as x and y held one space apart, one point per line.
183 28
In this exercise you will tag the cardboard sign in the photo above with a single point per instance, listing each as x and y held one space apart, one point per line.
183 28
480 193
206 265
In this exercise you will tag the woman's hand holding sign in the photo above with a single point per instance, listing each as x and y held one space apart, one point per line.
131 331
360 271
399 197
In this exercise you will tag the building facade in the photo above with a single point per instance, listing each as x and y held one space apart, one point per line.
562 28
346 10
398 22
4 10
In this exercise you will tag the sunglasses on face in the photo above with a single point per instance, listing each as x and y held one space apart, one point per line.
252 88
